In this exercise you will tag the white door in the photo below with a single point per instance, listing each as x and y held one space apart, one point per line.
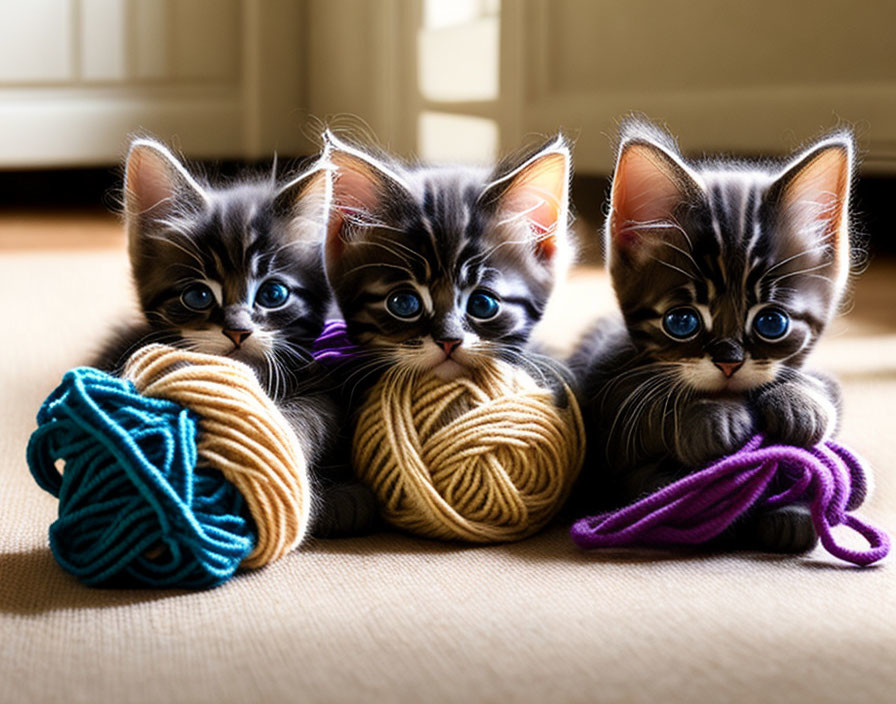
218 78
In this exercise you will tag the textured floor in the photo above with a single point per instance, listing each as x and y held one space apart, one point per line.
392 618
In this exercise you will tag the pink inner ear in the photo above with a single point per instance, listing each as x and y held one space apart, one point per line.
645 190
539 195
356 197
543 221
355 190
335 242
149 182
818 192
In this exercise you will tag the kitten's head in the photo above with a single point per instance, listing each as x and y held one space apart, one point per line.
728 271
440 268
234 271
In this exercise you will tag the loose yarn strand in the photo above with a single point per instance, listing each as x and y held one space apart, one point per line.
700 506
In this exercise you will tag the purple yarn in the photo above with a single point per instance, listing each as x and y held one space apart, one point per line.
333 347
700 506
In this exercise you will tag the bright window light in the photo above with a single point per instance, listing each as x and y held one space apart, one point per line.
438 14
457 139
458 51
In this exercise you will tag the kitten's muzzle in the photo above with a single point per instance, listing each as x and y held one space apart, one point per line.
237 336
728 368
727 355
449 345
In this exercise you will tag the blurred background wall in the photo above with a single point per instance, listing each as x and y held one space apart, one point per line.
456 80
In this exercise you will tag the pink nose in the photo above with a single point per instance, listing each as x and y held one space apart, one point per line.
237 336
449 345
728 368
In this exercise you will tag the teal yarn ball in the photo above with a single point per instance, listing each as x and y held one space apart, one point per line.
134 507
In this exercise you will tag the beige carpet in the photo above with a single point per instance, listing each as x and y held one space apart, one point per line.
392 618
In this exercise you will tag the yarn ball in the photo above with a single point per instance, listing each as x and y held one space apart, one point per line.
175 475
484 458
700 506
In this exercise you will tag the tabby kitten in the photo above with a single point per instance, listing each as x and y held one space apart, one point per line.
237 271
442 268
726 274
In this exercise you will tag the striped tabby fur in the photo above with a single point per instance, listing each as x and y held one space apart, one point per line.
231 241
440 235
729 241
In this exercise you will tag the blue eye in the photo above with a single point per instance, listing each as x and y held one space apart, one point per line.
771 324
404 304
681 323
272 294
482 305
197 297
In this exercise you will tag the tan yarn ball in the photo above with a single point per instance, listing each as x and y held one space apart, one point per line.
485 458
241 433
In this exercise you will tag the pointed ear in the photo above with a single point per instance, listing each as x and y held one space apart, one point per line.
361 186
156 186
649 184
812 198
155 179
305 201
537 193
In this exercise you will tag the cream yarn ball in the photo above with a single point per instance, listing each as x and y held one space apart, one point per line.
485 458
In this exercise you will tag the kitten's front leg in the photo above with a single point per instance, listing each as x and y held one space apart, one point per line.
342 506
711 428
801 411
787 529
313 418
345 509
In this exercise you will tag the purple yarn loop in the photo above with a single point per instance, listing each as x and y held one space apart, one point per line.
700 506
332 347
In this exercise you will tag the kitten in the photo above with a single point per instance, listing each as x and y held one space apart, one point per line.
442 268
726 274
235 270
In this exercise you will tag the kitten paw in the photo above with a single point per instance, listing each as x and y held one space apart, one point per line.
711 429
345 510
787 530
796 414
647 479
